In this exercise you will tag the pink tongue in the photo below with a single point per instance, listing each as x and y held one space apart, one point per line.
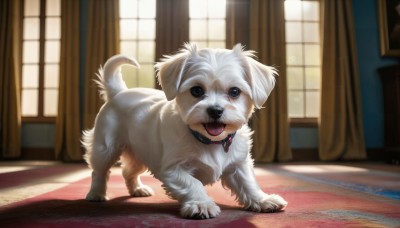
214 128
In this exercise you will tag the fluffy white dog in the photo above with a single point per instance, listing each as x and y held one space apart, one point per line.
191 134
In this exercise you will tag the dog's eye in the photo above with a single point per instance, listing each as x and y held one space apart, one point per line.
197 91
234 92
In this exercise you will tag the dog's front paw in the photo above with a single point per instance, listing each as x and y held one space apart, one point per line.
268 203
200 210
96 197
141 191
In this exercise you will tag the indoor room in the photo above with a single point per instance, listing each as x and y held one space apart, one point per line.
200 113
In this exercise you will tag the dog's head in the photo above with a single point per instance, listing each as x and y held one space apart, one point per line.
215 90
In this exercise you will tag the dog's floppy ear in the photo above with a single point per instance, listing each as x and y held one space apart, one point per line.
171 69
260 77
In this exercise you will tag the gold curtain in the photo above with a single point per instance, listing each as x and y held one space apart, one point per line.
172 27
340 131
68 129
102 43
10 64
270 124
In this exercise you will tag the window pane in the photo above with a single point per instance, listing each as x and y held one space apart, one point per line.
295 78
311 32
303 57
216 29
32 8
52 54
146 76
30 76
29 102
51 75
146 51
216 8
198 9
53 8
128 48
214 44
197 29
128 28
137 38
31 52
293 32
129 74
147 8
311 10
294 54
313 77
312 104
53 28
31 28
147 29
312 55
296 104
50 102
293 10
201 44
128 8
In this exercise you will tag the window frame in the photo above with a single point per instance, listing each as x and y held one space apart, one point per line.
137 77
40 118
207 19
305 121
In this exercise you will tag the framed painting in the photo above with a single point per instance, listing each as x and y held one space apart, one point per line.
389 27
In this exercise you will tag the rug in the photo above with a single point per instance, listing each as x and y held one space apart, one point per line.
319 195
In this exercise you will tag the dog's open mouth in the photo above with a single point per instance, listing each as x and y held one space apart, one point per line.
214 128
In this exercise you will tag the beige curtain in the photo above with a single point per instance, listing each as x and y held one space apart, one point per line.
68 129
341 131
102 43
270 124
10 62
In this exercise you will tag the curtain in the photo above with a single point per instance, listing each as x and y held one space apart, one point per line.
102 43
10 62
172 27
270 124
340 131
68 131
237 22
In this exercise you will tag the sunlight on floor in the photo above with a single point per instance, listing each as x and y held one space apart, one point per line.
37 186
323 169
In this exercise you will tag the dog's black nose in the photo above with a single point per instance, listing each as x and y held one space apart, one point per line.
215 112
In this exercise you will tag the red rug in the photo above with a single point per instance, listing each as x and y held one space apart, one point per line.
318 196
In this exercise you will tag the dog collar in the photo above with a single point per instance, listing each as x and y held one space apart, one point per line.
225 142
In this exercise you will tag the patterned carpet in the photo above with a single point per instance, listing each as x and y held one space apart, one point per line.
38 194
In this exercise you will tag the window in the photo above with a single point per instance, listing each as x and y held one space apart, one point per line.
207 23
303 58
40 59
137 39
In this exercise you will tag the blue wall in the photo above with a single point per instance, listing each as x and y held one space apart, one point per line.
369 59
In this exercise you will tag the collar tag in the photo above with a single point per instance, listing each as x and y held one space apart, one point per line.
227 142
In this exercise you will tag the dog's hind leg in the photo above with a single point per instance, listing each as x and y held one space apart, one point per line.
131 170
100 158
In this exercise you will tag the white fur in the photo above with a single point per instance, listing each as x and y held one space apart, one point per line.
149 129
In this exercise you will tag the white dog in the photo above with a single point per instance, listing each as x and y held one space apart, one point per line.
192 134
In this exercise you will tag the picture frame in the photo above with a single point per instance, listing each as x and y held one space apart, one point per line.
389 27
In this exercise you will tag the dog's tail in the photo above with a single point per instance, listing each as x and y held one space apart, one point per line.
110 79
